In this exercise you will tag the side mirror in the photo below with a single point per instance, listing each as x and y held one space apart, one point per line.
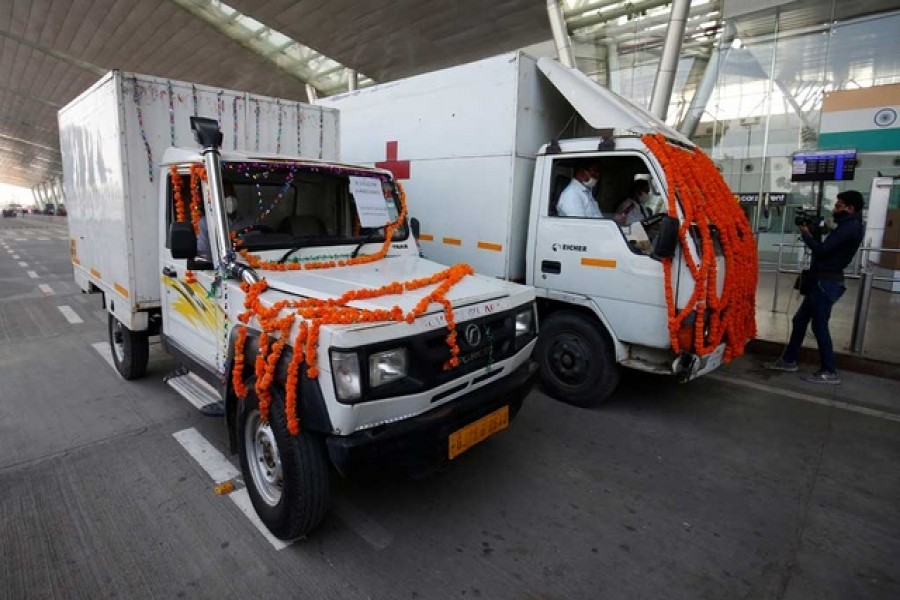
416 228
182 241
666 238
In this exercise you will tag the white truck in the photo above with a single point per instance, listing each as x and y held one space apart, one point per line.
312 322
486 149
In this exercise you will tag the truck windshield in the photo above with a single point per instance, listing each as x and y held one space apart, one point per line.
288 205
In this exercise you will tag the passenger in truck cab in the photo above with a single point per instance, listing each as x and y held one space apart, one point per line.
239 224
636 207
577 199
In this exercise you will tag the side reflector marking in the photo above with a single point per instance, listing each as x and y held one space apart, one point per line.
490 246
604 263
453 241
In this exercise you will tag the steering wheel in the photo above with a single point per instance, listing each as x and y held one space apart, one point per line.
257 227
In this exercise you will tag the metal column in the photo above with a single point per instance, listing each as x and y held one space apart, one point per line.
668 62
707 83
560 33
352 80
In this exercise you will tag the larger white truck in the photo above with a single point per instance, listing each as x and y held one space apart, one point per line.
486 149
312 321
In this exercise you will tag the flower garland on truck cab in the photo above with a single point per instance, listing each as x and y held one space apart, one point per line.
277 321
707 203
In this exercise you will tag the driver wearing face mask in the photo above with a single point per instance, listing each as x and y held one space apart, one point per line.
636 207
576 199
239 224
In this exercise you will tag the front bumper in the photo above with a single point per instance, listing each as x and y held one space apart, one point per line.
421 443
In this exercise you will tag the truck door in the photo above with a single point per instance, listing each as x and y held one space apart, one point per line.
192 315
600 261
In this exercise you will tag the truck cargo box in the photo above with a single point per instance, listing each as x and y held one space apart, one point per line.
112 138
486 122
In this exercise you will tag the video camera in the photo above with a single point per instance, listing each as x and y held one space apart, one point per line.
809 218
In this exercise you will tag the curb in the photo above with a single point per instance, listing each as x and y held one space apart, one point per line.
846 362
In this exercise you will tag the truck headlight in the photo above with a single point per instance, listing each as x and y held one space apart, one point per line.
345 370
525 322
387 366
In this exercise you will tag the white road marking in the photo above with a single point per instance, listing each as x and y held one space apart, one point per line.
221 470
103 350
20 239
23 264
14 256
863 410
48 291
32 274
43 239
70 314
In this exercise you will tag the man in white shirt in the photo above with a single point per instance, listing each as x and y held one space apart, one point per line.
576 199
635 208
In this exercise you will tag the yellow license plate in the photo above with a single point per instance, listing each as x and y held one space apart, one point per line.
473 433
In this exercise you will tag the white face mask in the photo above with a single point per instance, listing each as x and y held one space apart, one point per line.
590 183
230 204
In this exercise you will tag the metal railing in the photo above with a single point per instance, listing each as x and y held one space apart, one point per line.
859 269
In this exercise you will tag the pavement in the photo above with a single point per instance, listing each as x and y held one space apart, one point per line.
743 484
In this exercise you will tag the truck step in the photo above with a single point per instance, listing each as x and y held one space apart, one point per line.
197 392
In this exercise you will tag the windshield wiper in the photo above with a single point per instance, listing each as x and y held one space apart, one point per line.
289 252
365 241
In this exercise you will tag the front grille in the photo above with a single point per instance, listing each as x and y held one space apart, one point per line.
494 342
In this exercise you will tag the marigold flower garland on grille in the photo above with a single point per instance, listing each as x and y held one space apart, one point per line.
277 321
706 200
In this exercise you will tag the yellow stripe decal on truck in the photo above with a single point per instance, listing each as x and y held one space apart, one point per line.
490 246
75 260
426 237
453 241
604 263
96 273
120 289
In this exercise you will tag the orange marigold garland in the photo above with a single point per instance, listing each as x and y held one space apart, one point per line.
176 191
707 202
276 321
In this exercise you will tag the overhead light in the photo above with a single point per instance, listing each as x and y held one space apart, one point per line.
736 44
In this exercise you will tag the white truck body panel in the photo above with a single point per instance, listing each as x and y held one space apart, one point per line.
113 140
479 153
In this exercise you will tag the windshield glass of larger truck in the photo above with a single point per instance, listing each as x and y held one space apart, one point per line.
286 205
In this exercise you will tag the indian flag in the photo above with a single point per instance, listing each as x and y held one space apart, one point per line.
867 119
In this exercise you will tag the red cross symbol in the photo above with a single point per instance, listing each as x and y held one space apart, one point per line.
400 168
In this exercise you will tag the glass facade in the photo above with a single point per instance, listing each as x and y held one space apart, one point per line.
771 71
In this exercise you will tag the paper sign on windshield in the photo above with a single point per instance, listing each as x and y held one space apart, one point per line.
370 204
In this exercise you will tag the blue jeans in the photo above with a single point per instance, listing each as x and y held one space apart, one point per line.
816 307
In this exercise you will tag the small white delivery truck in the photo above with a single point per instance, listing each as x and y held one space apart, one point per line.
485 151
311 318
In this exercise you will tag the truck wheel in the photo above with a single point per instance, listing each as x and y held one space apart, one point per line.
578 365
130 349
287 476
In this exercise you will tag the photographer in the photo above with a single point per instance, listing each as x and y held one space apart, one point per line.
824 285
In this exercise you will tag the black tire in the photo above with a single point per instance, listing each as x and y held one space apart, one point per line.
130 349
577 361
297 505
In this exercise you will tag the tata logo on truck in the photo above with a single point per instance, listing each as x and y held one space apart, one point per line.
569 248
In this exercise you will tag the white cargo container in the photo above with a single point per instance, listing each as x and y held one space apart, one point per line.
485 151
386 383
112 139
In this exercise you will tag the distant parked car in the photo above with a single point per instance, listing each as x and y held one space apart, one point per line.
61 211
49 210
9 211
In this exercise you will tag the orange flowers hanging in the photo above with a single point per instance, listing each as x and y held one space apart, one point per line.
277 321
707 202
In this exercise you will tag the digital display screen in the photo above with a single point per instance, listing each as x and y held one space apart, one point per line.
823 165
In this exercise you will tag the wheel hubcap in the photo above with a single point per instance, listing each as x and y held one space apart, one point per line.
118 339
569 359
263 459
